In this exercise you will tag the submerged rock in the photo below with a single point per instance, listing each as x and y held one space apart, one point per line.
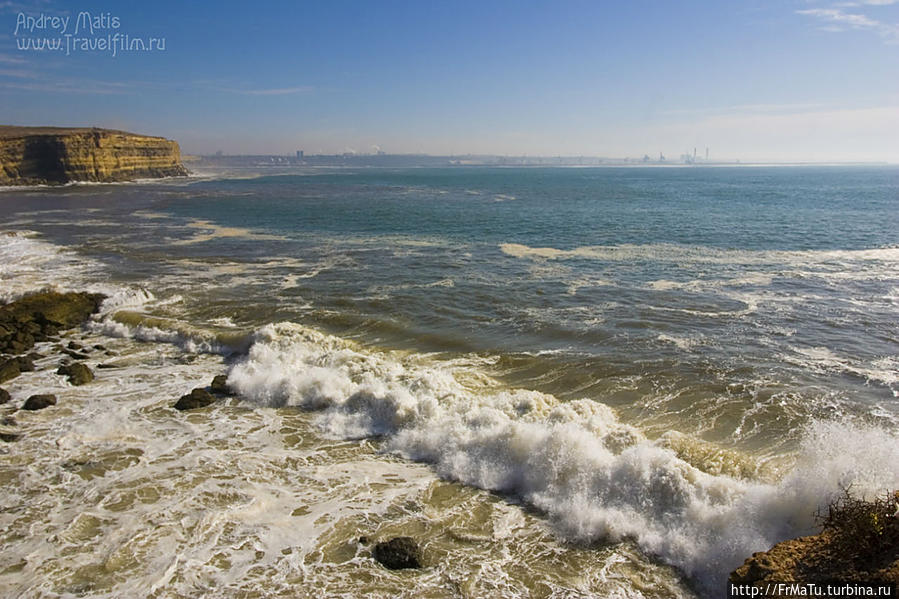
78 373
220 385
9 437
4 396
398 553
39 402
198 398
74 354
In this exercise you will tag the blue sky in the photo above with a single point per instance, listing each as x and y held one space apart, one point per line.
753 80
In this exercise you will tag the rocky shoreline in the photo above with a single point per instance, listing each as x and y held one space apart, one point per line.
859 541
37 318
50 316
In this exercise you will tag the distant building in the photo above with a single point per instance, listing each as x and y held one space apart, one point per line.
299 154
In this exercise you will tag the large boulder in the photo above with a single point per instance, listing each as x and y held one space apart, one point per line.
220 385
42 315
39 402
26 363
9 369
398 553
198 398
4 396
78 373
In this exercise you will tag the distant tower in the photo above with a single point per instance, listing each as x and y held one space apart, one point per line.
694 154
661 157
706 153
299 154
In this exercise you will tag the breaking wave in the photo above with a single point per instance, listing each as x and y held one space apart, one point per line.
596 478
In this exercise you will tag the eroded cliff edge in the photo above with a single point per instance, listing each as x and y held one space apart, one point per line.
37 155
859 543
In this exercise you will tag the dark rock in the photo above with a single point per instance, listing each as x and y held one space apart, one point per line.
39 402
74 354
198 398
75 346
105 366
35 356
363 540
9 369
9 437
8 421
78 373
99 347
4 396
26 364
398 553
42 315
220 385
63 310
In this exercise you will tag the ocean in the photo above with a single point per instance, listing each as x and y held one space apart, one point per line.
562 382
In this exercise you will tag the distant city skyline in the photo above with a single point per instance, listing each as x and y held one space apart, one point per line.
760 80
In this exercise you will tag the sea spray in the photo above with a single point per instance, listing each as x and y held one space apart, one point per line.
596 478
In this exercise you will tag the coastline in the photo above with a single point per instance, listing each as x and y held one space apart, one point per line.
337 435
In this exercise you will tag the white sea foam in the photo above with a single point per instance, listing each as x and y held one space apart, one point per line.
883 370
595 477
684 343
28 264
834 260
130 325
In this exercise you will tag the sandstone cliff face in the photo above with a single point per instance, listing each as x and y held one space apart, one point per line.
34 155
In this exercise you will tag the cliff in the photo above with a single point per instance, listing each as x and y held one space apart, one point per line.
859 543
34 155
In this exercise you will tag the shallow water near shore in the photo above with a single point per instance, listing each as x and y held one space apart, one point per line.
563 382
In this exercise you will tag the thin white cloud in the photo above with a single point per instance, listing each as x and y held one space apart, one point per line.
836 15
280 91
868 3
838 20
6 59
17 74
749 109
71 87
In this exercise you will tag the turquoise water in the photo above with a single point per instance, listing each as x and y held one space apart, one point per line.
731 318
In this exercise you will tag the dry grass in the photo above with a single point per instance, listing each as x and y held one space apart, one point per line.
867 529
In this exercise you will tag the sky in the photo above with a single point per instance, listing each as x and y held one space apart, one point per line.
754 80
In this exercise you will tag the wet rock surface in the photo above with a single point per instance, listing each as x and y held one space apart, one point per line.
398 553
78 374
198 398
39 402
